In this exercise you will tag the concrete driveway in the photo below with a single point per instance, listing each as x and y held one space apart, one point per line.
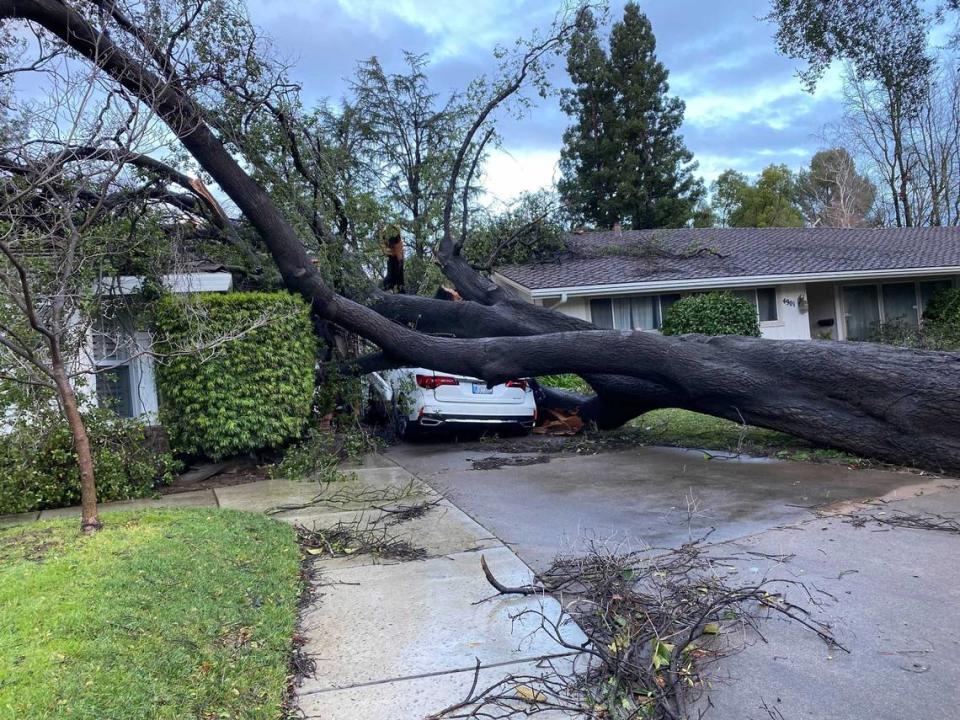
891 595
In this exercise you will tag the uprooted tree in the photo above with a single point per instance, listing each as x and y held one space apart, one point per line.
178 58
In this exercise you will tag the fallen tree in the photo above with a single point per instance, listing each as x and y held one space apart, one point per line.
902 406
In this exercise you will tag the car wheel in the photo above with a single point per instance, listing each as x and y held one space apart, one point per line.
402 427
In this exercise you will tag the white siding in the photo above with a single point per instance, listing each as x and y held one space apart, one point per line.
574 307
792 313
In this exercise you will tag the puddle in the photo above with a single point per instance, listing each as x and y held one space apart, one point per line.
718 455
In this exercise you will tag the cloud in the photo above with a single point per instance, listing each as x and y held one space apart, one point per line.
774 101
745 107
507 174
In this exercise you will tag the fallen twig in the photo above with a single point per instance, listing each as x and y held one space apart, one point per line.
505 589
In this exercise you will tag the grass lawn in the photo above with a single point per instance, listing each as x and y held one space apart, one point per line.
682 428
163 614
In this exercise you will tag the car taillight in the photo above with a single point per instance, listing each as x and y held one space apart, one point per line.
522 384
431 382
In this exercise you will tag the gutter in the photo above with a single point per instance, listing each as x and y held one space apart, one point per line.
723 282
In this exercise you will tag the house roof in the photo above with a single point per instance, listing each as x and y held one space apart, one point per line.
662 257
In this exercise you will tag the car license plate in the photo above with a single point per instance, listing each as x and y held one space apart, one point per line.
481 389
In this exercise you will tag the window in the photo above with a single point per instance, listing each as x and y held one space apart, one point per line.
632 313
601 313
866 307
767 304
646 312
666 302
764 299
900 304
114 391
113 346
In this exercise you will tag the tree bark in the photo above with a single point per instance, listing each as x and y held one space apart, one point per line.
89 520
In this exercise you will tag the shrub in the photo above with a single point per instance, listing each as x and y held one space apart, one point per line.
940 329
941 320
249 393
944 308
38 467
718 313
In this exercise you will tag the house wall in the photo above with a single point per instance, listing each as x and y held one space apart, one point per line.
792 313
144 400
577 307
792 322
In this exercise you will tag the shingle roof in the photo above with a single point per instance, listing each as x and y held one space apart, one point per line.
612 257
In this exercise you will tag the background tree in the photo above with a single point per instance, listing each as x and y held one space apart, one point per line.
530 229
410 137
624 159
771 201
833 194
890 67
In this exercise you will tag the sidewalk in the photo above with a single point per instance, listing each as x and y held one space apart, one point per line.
393 640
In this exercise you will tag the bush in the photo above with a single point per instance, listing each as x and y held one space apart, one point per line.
941 321
944 308
940 329
718 313
250 393
38 467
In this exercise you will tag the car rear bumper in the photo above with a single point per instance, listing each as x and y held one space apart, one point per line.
434 420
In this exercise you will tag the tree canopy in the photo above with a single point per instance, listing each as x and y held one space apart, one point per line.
623 159
770 201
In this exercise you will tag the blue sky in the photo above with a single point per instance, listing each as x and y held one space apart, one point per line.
745 107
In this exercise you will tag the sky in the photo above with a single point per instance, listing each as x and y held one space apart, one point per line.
745 106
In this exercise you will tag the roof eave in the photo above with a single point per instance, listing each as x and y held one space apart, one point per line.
725 282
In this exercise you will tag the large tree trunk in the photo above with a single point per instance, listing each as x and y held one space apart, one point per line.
89 521
897 405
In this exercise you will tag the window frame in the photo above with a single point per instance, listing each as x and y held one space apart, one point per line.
879 285
754 292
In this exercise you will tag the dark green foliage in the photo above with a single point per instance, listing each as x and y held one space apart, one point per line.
940 329
530 230
718 313
941 320
944 308
38 467
623 159
247 394
771 201
882 40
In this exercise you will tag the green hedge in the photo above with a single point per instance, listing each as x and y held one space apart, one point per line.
717 313
247 394
38 467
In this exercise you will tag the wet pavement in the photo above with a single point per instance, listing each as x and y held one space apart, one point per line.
659 496
891 595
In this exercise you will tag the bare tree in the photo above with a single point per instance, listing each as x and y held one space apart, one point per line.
883 402
832 192
81 198
914 152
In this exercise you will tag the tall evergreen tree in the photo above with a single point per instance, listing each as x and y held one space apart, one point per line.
623 159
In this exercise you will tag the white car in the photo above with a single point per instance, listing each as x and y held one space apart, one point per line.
419 399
